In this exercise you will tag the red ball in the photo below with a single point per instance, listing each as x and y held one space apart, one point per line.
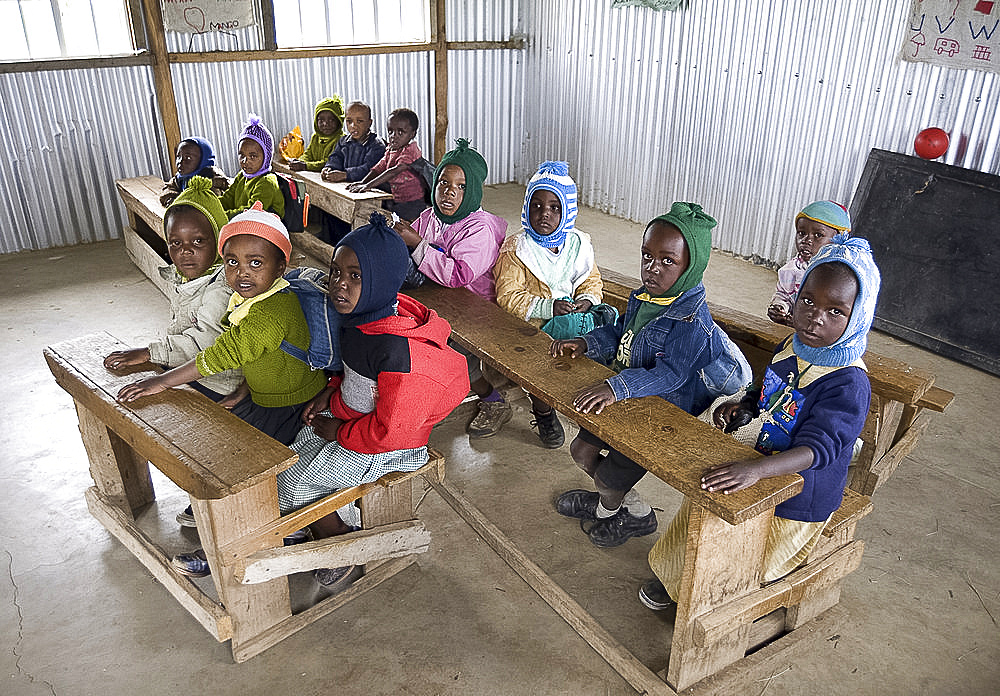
931 143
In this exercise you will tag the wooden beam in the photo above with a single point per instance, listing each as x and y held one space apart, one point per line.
440 39
163 83
293 53
30 66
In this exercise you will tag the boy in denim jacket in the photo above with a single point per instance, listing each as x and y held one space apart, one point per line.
666 345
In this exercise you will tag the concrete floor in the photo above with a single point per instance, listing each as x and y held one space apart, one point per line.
80 616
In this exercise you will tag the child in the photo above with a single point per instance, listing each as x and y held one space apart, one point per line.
200 296
455 243
327 130
255 182
353 157
394 167
400 379
195 156
808 414
815 225
548 269
666 337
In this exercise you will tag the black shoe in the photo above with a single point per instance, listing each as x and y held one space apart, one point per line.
550 430
578 503
619 528
654 596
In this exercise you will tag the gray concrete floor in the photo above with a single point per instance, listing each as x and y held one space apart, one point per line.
80 616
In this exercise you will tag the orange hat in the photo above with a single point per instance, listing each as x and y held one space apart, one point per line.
260 223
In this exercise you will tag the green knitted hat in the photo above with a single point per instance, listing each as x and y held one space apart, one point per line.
198 194
696 227
474 166
335 105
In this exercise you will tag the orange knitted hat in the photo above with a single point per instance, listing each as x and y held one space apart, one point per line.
260 223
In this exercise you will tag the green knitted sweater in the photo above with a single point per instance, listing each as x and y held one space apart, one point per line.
275 378
242 193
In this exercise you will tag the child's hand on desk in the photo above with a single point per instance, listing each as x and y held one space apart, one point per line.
778 315
297 165
125 358
594 398
144 387
241 392
333 175
732 477
357 187
319 403
326 427
576 347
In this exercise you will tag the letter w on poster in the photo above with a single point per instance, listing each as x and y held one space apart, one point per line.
201 16
954 33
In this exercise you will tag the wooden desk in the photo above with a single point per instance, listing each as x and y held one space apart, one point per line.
334 198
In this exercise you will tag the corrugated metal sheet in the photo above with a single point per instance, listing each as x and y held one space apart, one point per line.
750 108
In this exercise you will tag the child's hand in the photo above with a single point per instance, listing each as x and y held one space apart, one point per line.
144 387
722 415
125 358
317 405
731 477
297 165
241 392
326 427
409 235
561 307
583 306
576 347
357 187
778 315
594 398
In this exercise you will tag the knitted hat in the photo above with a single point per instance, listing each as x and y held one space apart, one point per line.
474 166
207 158
829 213
383 259
856 254
696 227
199 195
255 131
260 223
552 176
335 105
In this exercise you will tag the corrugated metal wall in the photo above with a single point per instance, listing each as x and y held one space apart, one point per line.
751 108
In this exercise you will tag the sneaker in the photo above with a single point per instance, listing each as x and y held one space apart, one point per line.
328 577
578 503
619 528
654 596
298 537
550 430
193 564
186 518
491 417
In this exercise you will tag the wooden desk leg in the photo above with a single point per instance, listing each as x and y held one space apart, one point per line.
253 608
385 505
721 563
119 473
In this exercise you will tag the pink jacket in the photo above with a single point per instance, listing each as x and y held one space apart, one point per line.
462 254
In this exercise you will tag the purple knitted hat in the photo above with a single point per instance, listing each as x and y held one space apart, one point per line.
256 132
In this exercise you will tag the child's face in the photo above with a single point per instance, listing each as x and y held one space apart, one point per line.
450 190
251 156
544 212
810 236
190 241
326 123
823 306
252 264
665 257
359 121
187 158
400 133
345 280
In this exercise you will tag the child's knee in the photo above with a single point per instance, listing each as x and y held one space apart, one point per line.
583 452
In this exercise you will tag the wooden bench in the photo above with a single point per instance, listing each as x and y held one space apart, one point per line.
228 468
334 198
900 393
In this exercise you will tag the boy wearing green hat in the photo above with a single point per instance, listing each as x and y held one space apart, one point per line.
663 345
328 120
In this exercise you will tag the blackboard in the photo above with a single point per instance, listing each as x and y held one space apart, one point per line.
934 230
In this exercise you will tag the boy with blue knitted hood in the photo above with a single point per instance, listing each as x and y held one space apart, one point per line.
806 416
194 157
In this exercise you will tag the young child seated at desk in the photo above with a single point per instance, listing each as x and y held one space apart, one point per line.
328 122
194 157
806 416
815 226
400 379
201 295
394 168
661 346
455 243
255 182
547 270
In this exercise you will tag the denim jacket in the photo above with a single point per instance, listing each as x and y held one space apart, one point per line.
681 355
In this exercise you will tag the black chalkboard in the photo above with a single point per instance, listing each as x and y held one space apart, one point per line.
934 230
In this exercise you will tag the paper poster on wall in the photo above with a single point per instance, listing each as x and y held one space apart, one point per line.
201 16
954 33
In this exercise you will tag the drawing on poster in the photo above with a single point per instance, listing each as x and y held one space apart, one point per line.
202 16
954 33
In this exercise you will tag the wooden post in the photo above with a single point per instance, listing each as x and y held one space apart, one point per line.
162 81
440 40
